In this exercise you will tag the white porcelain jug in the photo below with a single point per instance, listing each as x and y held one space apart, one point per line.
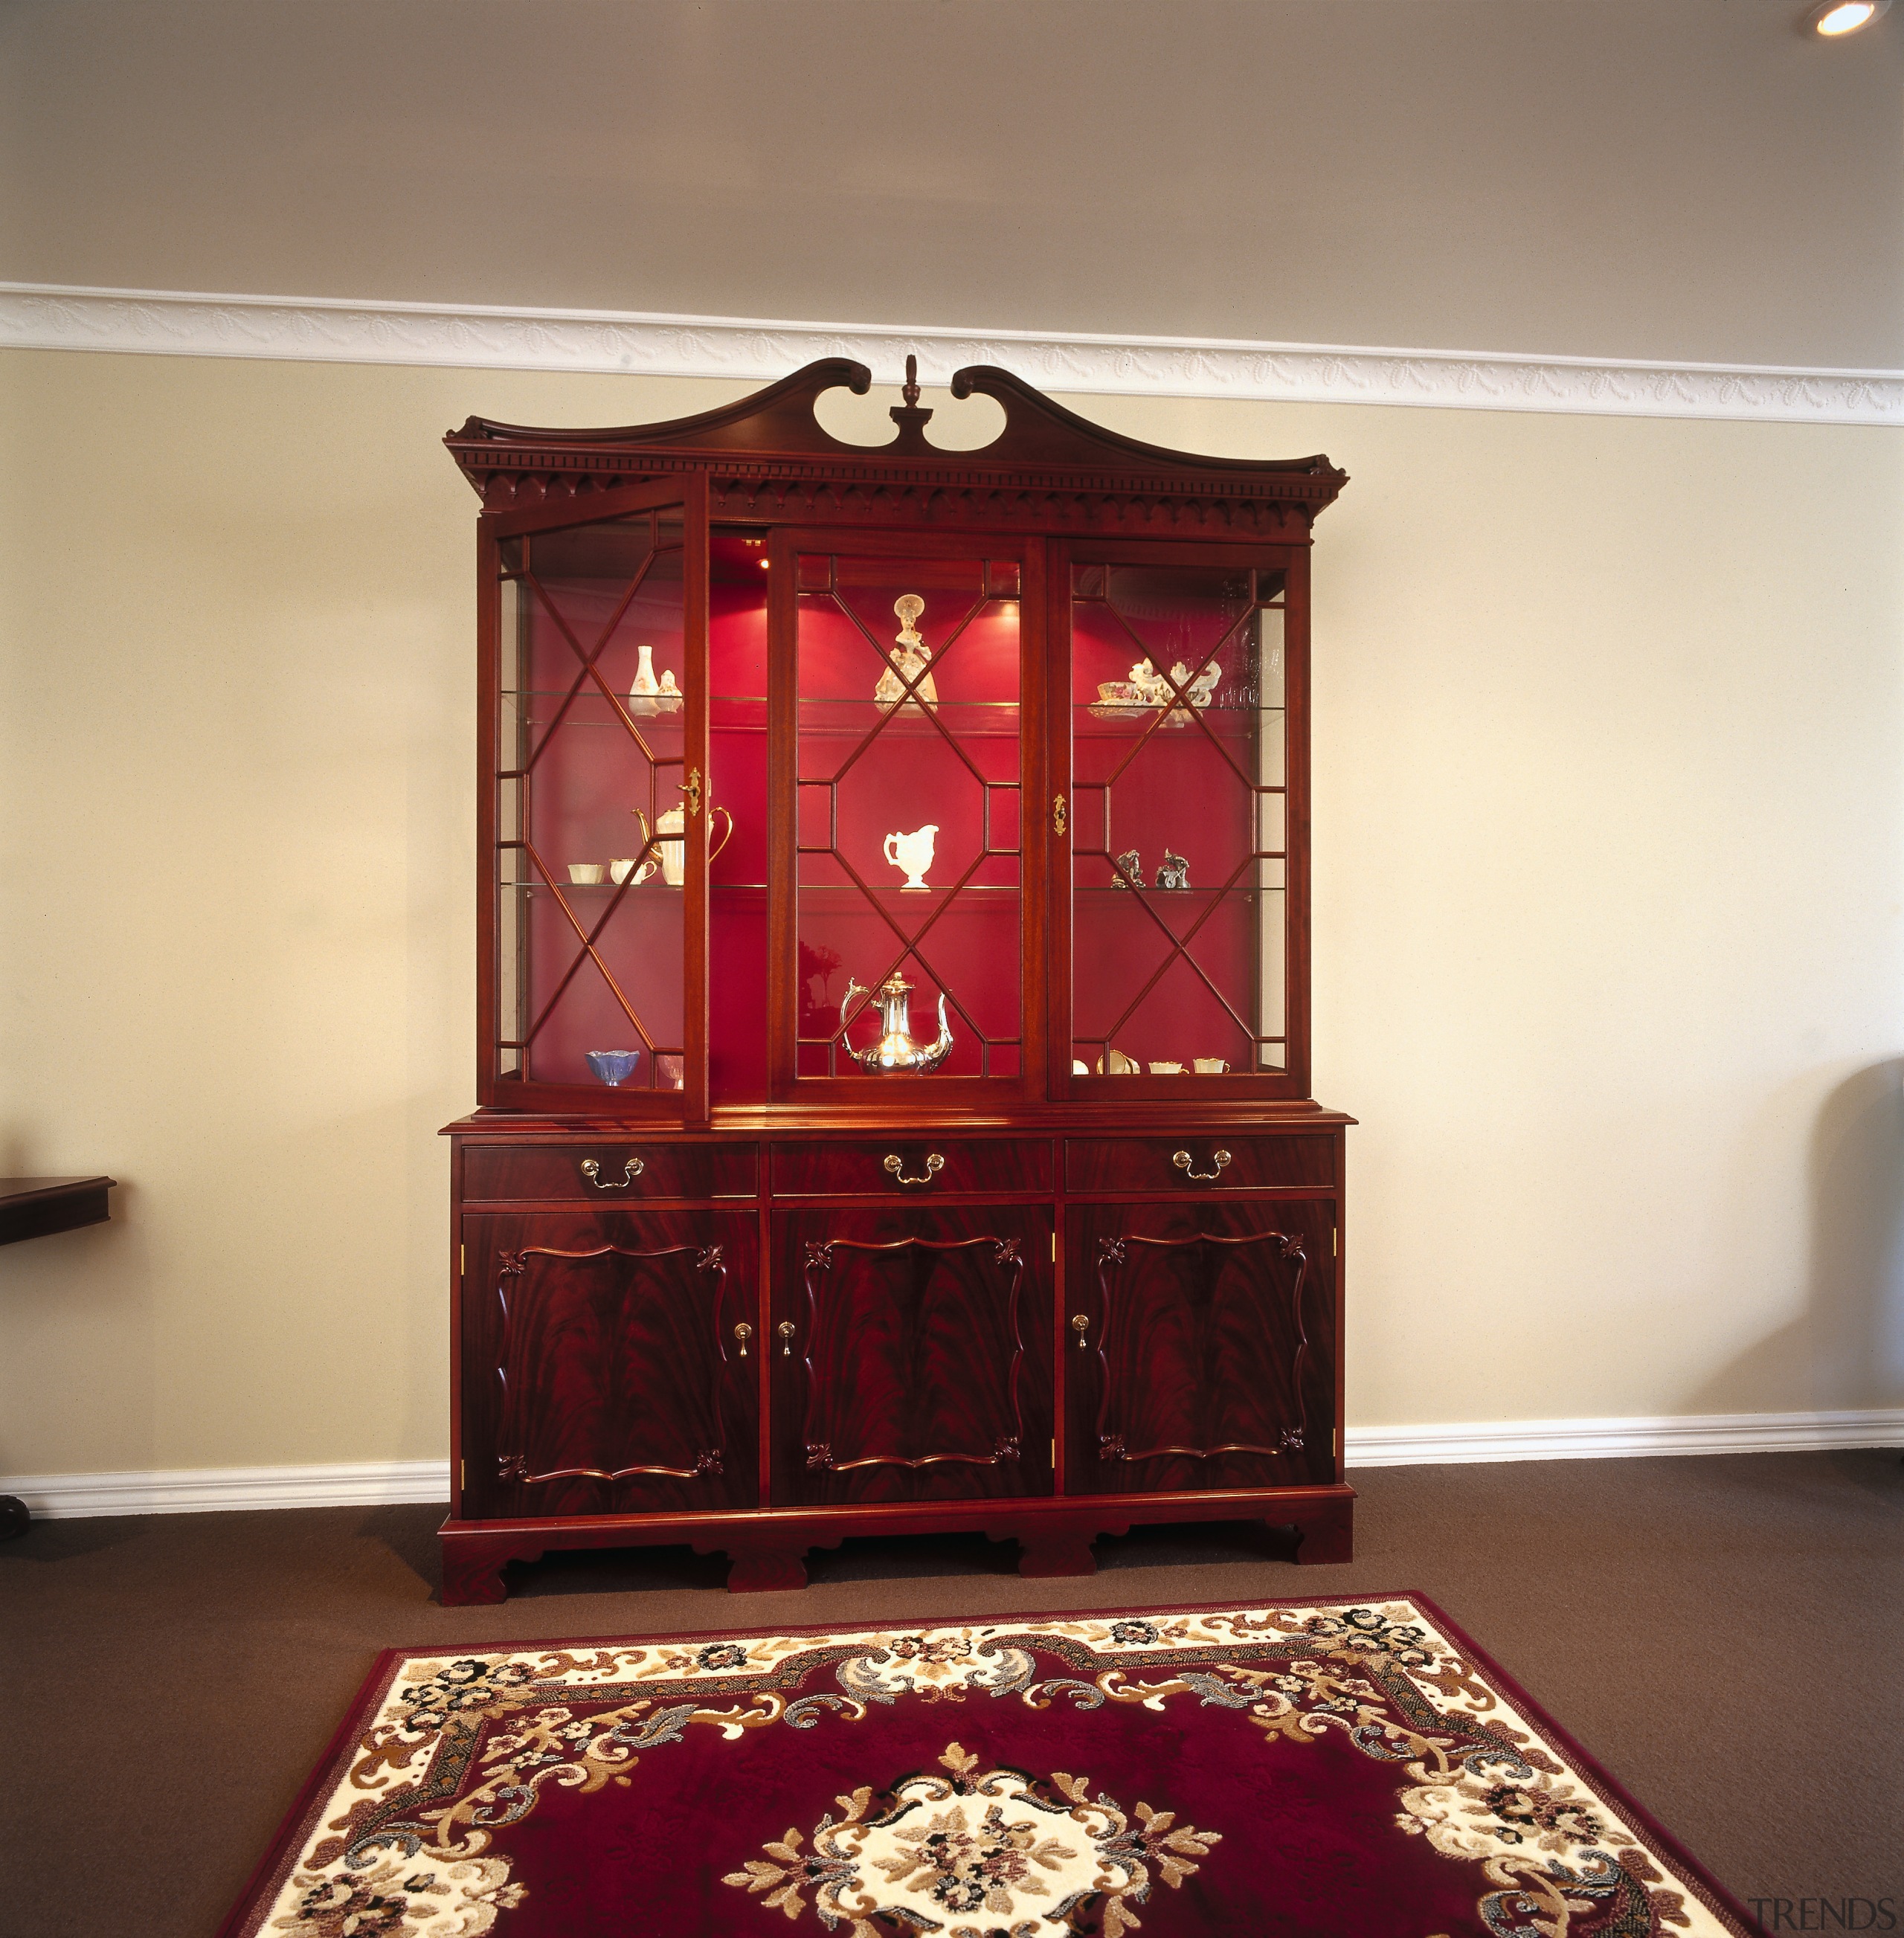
913 853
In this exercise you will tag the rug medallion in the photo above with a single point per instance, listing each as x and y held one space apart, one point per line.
1347 1765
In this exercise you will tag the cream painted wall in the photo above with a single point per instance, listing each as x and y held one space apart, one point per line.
1610 955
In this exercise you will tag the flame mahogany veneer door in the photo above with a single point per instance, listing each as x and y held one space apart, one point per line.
602 1373
917 1364
1209 1359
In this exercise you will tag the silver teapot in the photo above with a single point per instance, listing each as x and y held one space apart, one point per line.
897 1051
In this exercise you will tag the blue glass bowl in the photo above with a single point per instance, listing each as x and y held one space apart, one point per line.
613 1066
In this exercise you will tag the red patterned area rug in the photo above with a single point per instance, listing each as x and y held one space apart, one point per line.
1346 1765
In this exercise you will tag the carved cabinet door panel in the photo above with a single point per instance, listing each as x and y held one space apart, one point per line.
610 1363
911 1355
1202 1347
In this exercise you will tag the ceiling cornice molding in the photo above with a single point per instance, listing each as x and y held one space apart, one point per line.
325 330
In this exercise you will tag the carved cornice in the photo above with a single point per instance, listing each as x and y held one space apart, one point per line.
42 316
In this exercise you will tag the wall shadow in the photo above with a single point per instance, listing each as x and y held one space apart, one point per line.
1845 1351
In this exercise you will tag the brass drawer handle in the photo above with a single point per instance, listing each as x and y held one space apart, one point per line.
1182 1162
1080 1325
743 1333
631 1170
896 1165
786 1329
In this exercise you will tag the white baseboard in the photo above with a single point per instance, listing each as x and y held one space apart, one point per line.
379 1482
1622 1438
352 1484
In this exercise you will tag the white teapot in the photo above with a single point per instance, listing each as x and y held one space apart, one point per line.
670 841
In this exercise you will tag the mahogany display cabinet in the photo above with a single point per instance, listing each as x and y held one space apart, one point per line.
893 1109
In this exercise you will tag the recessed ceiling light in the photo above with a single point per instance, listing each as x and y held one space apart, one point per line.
1833 19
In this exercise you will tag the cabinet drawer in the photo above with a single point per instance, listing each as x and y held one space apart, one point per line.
659 1171
924 1165
1156 1164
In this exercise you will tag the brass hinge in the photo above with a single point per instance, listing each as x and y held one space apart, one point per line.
463 1473
1054 1248
1053 1454
1334 1241
462 1260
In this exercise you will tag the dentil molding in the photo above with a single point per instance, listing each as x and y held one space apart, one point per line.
367 1483
43 316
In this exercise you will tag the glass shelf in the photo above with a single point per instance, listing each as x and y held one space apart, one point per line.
962 719
1191 894
845 889
1242 724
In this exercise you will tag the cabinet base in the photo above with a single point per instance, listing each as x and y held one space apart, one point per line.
1327 1535
473 1563
761 1574
766 1552
1059 1553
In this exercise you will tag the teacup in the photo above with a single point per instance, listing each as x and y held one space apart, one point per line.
670 1073
620 871
1166 1070
613 1066
1116 1064
585 874
1209 1066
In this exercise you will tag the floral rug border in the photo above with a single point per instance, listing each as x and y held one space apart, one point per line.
289 1841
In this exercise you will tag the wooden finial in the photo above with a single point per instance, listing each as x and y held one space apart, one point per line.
909 417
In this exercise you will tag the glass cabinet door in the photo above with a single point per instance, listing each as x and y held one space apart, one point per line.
1183 922
899 788
594 645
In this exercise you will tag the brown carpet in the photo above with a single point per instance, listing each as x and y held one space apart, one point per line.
1724 1633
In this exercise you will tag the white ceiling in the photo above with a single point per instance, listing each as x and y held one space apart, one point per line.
1677 180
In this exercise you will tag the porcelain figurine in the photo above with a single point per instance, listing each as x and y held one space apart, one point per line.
897 1052
909 655
1129 871
1147 686
1175 873
913 853
1197 691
